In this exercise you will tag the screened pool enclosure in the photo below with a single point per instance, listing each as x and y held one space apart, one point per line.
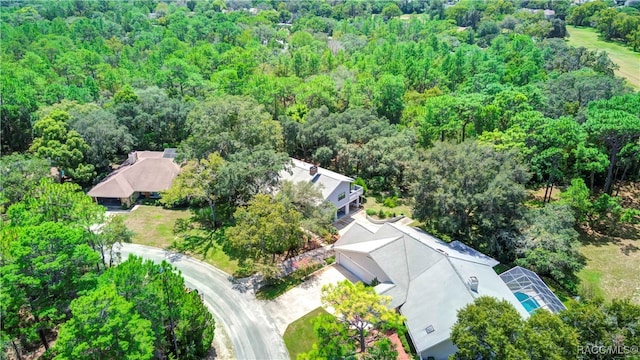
530 290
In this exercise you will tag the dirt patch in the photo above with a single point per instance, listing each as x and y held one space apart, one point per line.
538 195
629 193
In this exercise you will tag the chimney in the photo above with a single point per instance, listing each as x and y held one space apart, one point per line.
133 157
473 283
313 170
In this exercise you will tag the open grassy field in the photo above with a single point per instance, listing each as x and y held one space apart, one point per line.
628 60
299 336
153 226
613 265
612 259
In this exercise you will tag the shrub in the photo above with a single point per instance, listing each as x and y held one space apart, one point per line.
408 347
306 266
631 216
390 202
360 181
382 214
330 260
371 212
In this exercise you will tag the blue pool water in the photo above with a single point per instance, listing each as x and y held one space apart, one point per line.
530 304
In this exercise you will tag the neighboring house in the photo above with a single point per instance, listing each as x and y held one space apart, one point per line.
145 173
546 12
430 280
336 188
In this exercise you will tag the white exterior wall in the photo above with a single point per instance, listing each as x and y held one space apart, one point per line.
361 265
440 351
344 187
350 265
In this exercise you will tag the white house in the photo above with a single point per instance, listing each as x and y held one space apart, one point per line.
336 188
430 280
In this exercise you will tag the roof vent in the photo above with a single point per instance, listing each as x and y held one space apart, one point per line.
313 170
473 283
430 329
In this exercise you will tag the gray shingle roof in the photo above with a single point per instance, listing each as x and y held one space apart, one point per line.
327 180
426 277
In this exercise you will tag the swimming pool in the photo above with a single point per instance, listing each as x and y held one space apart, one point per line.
529 303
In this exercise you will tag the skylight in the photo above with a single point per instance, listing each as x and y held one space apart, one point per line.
430 329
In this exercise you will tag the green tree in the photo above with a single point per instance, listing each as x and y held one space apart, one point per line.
107 138
228 125
155 120
317 91
490 328
264 229
64 203
550 246
19 176
247 173
181 324
571 92
577 196
361 318
605 19
104 325
63 147
614 123
389 97
304 197
331 343
197 182
591 160
487 329
43 268
552 144
388 161
603 324
546 336
390 11
473 193
109 239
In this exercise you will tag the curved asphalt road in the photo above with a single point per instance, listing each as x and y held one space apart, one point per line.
252 331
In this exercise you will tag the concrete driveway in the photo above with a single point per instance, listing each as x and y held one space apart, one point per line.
250 328
304 298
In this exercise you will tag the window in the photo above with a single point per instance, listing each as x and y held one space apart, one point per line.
342 196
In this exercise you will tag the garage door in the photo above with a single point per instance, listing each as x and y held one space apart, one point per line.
354 268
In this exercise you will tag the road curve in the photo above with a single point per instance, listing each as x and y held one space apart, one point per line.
251 330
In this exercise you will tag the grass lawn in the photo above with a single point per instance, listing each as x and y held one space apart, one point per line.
371 203
628 60
612 269
299 336
272 291
153 226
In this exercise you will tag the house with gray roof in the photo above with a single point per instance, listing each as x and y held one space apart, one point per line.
144 173
335 188
428 280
